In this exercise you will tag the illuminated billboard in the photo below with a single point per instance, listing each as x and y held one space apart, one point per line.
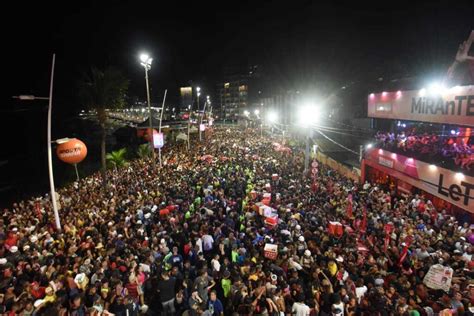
436 105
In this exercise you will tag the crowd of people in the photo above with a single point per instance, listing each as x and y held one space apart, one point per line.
430 147
189 239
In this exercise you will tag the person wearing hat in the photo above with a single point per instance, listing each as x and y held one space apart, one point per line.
301 245
307 260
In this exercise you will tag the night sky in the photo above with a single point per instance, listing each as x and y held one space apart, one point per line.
299 43
303 45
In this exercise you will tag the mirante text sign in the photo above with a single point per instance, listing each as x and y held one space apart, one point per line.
446 106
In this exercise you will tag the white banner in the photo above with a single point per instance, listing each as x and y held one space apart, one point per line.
444 106
439 277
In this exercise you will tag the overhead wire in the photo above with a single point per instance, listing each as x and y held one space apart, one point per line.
338 144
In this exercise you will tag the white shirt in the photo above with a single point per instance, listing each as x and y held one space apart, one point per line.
207 242
216 266
339 306
360 292
300 309
199 244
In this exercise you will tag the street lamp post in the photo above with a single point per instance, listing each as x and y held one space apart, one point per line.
198 90
50 155
146 63
202 116
159 129
189 123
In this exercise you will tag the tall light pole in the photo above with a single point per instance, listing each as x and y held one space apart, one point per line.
257 113
146 63
198 90
159 129
189 122
202 116
50 155
308 115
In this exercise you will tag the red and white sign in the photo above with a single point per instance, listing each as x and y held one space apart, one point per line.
335 229
456 188
270 251
158 141
445 106
385 162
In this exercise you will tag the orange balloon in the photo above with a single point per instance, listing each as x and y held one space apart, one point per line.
73 151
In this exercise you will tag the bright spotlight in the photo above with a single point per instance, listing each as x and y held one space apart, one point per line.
257 112
272 117
437 88
422 92
368 146
308 114
246 113
459 176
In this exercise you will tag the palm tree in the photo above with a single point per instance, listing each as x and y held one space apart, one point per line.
143 151
116 159
103 90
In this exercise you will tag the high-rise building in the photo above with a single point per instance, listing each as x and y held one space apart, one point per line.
233 95
185 98
238 91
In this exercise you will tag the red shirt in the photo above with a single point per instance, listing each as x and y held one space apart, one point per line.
132 290
187 249
164 212
11 240
39 293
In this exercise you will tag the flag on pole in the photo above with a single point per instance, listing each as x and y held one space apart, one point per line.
406 244
349 206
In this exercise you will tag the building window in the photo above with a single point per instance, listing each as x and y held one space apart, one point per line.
243 88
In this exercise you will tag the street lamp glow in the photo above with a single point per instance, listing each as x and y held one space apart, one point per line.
246 113
257 112
308 114
144 57
368 146
198 89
